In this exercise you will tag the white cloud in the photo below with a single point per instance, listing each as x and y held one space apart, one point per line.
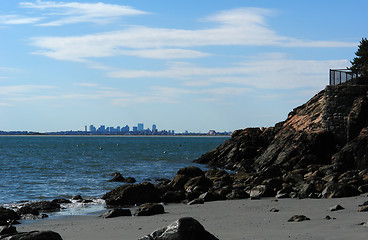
75 12
15 19
164 53
242 27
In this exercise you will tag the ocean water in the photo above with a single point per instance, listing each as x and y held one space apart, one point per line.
34 168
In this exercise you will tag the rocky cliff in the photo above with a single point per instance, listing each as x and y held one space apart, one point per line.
327 136
330 129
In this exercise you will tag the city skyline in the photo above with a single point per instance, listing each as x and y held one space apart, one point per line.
116 130
186 65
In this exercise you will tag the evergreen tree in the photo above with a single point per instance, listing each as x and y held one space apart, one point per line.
360 62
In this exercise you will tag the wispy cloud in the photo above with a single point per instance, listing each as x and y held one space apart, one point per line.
75 12
86 84
21 89
242 27
265 71
16 19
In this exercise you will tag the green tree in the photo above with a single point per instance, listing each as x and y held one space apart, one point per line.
360 62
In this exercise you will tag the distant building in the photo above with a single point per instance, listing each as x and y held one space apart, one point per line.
154 128
111 129
125 129
135 129
92 128
101 128
140 127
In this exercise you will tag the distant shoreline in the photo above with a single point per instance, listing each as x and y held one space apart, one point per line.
105 135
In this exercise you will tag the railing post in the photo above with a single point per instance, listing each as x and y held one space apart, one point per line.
330 77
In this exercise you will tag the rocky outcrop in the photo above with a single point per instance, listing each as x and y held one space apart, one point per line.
44 206
149 209
132 194
185 228
117 177
307 154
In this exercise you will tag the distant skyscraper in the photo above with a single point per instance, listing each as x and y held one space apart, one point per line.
92 128
125 129
140 126
135 129
154 128
101 128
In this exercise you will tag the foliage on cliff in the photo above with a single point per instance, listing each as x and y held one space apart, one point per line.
360 62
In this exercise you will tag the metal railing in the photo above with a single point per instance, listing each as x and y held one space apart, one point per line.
340 76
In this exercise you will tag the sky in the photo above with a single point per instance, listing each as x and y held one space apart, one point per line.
183 65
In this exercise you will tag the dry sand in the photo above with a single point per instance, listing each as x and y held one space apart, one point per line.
236 219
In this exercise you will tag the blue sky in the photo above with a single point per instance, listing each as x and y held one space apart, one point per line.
183 65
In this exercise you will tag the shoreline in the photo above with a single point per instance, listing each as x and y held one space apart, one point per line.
230 219
112 135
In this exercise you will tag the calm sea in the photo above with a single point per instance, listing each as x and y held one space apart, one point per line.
48 167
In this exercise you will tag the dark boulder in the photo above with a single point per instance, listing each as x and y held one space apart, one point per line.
173 196
191 171
132 194
35 235
45 206
183 229
261 191
200 183
339 190
77 198
27 210
117 212
237 194
336 207
130 180
149 209
7 215
209 196
179 181
117 178
7 230
61 201
306 189
298 218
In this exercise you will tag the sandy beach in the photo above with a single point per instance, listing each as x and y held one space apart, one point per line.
235 219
